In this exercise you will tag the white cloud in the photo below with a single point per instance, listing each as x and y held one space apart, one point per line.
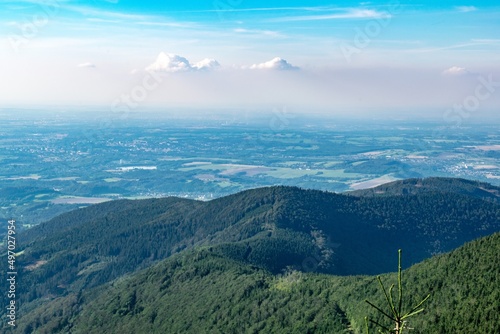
95 12
466 9
86 65
268 33
455 70
206 64
350 13
274 64
171 63
166 24
93 19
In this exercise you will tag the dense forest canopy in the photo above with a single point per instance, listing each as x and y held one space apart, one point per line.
276 259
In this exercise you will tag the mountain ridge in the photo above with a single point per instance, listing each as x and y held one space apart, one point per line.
274 229
228 296
414 186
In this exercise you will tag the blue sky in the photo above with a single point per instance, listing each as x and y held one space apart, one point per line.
332 55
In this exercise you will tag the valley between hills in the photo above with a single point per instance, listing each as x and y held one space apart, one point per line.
266 260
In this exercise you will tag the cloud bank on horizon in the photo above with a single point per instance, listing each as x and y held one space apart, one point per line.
327 55
276 63
172 63
456 70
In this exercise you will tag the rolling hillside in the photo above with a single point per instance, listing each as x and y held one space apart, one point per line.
476 189
266 231
202 291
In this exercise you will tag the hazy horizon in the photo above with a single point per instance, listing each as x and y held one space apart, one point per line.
426 59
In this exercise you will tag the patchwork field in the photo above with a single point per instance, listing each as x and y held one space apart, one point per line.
59 169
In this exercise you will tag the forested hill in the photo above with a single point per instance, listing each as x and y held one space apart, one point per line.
275 229
204 291
476 189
